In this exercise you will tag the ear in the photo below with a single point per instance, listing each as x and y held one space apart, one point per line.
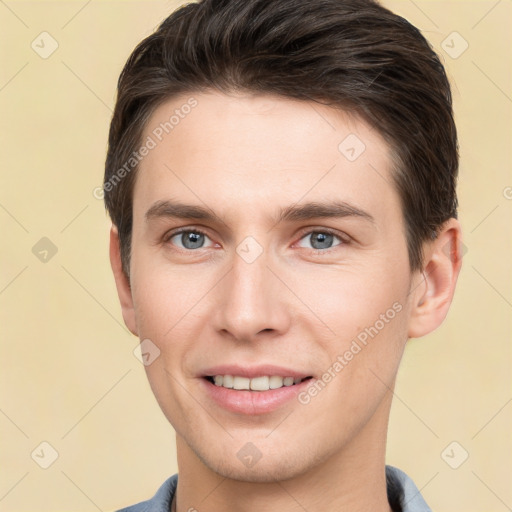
122 284
432 294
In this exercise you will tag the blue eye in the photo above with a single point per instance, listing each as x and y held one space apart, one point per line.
190 239
321 239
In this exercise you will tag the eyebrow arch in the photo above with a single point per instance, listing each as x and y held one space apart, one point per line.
164 208
312 210
305 211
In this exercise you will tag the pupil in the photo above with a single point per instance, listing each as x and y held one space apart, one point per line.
324 240
192 240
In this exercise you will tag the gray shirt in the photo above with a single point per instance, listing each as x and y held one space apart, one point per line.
403 495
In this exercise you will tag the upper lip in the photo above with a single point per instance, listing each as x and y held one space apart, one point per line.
254 371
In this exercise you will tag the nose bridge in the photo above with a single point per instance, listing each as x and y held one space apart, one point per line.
251 301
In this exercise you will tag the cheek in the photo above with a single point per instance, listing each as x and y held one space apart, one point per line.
162 295
170 311
363 362
368 311
348 301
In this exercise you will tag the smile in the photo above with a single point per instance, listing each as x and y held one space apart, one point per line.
262 383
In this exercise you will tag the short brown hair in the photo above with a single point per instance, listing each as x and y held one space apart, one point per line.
350 54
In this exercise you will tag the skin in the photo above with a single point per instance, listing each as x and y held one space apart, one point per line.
244 156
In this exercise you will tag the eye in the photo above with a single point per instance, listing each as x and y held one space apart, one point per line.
321 239
189 239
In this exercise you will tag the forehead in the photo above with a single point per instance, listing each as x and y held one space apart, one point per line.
247 152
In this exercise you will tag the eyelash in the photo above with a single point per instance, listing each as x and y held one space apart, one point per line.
343 239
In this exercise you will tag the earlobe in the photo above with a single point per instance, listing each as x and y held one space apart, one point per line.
122 284
434 293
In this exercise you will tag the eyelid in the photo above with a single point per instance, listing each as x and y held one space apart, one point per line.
323 229
173 232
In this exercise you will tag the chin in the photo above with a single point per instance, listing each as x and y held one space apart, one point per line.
275 462
269 471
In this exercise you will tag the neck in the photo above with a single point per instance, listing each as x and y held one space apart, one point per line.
353 479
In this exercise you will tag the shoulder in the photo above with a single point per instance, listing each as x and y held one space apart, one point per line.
403 495
160 502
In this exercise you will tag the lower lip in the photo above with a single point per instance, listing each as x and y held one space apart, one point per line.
253 402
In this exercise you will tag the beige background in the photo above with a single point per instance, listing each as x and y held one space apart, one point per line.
69 376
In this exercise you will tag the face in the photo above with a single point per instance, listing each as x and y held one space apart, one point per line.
268 249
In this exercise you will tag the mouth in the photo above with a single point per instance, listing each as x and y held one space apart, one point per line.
254 391
261 383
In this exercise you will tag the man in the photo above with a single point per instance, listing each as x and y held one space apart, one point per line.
281 181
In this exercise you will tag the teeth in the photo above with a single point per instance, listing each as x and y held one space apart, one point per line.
260 383
275 382
241 383
263 383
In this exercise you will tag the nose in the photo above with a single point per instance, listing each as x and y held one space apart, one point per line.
252 301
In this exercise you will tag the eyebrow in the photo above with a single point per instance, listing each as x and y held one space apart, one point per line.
293 213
